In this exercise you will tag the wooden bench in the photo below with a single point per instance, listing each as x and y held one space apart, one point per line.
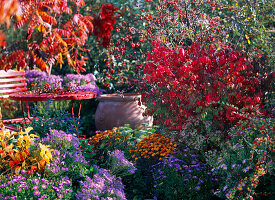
12 82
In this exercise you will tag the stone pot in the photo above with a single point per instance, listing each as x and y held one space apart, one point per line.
117 110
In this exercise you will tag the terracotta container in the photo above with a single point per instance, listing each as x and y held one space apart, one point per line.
116 110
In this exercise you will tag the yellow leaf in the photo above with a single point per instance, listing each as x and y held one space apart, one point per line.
41 28
248 41
3 155
24 164
246 36
227 36
28 129
33 135
17 156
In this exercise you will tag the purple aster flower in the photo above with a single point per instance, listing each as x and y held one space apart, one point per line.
223 166
35 181
224 188
36 193
197 188
44 186
246 169
160 171
220 159
19 190
35 188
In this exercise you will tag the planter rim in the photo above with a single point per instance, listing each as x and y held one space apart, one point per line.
119 98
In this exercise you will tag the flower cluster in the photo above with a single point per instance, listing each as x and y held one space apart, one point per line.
103 186
20 150
119 165
155 145
37 78
42 82
67 158
37 187
184 169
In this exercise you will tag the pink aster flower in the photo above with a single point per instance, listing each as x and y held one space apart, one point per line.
36 193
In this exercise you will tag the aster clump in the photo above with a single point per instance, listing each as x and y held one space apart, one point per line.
119 165
184 169
67 158
41 82
19 187
103 185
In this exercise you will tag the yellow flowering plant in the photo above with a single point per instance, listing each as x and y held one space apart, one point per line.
20 151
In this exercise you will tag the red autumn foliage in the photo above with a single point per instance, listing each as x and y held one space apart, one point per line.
48 40
104 24
200 81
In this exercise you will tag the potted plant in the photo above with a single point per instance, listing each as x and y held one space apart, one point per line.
118 109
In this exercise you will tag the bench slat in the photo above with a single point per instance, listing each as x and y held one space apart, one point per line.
12 80
11 73
14 85
10 91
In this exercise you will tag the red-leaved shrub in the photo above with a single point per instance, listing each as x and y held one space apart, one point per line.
198 82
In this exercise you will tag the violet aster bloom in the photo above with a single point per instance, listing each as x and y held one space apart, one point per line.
35 188
44 186
197 188
36 193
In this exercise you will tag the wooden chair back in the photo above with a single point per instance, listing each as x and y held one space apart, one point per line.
12 82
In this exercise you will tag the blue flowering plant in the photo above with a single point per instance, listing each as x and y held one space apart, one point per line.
48 117
181 175
103 185
20 187
244 158
67 157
